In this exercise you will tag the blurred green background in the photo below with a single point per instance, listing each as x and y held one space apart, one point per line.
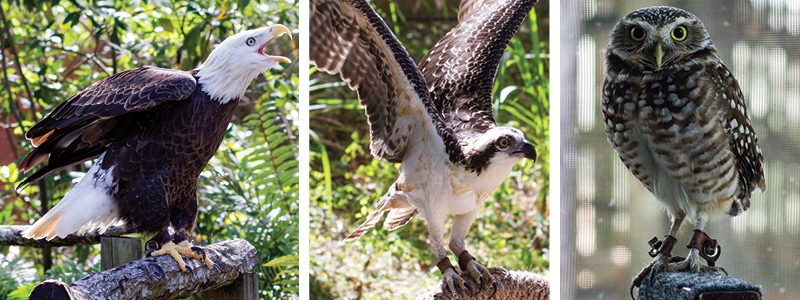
512 228
55 48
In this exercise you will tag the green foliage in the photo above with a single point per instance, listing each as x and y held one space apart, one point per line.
346 182
249 190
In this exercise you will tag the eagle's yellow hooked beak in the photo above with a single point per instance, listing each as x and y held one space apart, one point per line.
276 31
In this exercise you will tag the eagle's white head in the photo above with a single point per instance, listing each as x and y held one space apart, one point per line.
496 152
227 72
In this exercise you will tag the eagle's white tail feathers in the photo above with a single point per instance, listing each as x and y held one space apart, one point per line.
87 206
399 217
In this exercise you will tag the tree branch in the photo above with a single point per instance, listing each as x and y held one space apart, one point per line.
158 277
511 285
11 235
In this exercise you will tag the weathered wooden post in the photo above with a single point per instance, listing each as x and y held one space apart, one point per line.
244 288
119 250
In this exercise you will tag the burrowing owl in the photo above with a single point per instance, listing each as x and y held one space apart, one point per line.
677 118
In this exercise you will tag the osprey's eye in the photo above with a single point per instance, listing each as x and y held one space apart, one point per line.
679 33
503 142
251 41
637 33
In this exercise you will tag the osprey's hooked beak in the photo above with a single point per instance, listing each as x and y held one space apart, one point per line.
526 150
275 31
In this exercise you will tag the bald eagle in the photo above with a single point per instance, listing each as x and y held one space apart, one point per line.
152 131
436 120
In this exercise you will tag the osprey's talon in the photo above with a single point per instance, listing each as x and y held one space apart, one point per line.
495 290
216 266
454 282
480 273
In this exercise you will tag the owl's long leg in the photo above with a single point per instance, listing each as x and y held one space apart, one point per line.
664 252
179 245
450 278
693 260
467 263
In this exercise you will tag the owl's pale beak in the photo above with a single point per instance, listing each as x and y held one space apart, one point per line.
659 55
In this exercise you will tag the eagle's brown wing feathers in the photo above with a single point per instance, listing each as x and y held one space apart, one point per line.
81 127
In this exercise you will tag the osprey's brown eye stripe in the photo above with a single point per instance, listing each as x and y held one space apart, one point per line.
637 33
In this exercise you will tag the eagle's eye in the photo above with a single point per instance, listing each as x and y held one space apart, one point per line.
503 142
251 41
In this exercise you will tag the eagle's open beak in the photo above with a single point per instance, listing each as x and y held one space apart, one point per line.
275 31
526 150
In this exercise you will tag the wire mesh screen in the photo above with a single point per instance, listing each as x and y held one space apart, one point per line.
608 215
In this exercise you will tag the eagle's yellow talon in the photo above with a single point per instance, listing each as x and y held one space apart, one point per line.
184 248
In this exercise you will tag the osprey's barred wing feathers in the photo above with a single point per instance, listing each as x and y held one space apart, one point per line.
351 39
81 128
468 7
460 69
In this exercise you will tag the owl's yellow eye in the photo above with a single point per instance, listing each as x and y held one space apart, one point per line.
503 142
637 33
679 33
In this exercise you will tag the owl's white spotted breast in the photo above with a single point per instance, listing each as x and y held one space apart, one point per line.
684 133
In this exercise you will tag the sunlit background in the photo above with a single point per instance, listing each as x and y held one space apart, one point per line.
608 216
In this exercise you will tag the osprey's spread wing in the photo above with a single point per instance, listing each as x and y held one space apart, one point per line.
349 38
460 69
81 128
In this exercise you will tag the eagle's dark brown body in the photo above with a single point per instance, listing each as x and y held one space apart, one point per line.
162 163
155 128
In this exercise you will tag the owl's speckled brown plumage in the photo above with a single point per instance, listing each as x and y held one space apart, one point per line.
677 118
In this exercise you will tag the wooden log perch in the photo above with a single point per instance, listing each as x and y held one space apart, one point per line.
12 236
689 285
511 285
158 277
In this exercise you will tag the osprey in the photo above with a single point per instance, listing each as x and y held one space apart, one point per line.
436 120
152 131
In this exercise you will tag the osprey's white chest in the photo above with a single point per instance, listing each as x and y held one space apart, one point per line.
432 182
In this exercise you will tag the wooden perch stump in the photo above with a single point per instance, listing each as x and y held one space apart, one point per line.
511 285
119 250
158 277
12 236
696 286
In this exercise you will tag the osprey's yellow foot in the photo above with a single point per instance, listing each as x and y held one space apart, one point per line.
184 248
